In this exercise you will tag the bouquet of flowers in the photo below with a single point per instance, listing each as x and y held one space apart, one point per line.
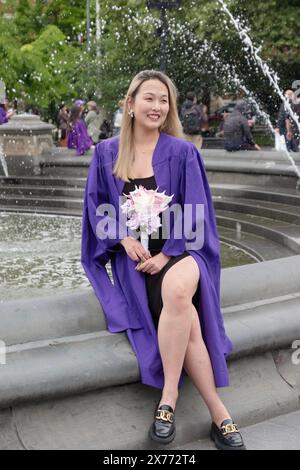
142 208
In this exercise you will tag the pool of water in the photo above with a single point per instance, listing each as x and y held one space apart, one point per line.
233 256
40 255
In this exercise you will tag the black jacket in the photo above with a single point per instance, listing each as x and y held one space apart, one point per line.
188 104
294 126
237 131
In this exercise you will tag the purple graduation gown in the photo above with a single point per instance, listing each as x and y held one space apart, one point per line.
3 116
178 170
79 139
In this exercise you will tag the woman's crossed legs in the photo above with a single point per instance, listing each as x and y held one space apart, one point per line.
180 339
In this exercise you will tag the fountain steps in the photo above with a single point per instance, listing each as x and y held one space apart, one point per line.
84 391
271 210
270 156
254 166
260 248
41 191
66 366
254 327
33 202
43 210
273 167
43 181
119 417
69 371
282 195
252 314
286 196
63 168
220 176
258 206
280 232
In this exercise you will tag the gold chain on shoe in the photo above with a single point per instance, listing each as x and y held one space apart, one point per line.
229 428
165 415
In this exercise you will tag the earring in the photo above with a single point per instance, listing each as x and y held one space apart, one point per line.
130 112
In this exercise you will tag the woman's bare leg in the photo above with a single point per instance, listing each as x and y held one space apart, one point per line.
197 365
174 328
180 339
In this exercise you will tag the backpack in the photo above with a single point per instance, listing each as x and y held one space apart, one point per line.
191 121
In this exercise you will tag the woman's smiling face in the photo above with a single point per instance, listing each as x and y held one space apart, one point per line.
151 104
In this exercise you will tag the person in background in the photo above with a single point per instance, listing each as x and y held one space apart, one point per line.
237 133
282 120
191 120
293 134
105 130
205 122
117 119
220 131
6 112
3 114
9 109
30 109
62 124
93 121
77 135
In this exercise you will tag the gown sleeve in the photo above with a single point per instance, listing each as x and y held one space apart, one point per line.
72 139
80 144
84 141
199 233
97 250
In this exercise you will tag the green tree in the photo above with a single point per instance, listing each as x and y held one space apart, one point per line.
49 65
25 21
68 16
11 62
46 62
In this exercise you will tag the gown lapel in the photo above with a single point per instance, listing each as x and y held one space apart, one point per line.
160 169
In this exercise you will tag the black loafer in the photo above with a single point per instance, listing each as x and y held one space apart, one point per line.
227 437
163 428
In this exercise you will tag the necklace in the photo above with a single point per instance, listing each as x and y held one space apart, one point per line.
143 150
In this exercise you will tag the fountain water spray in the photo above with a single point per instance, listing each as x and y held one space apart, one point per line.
3 161
266 117
264 67
273 80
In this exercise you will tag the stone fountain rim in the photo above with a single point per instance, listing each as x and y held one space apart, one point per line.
30 123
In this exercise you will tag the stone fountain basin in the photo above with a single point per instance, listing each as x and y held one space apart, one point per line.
40 255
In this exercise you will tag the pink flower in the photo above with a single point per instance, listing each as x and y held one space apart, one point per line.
143 207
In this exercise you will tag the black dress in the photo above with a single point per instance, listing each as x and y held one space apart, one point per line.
154 281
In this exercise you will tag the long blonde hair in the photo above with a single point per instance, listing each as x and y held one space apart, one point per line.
171 126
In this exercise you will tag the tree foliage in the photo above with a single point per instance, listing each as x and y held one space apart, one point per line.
44 60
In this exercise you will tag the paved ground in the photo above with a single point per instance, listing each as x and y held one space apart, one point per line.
281 433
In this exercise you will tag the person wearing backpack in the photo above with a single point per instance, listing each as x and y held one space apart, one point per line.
191 120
